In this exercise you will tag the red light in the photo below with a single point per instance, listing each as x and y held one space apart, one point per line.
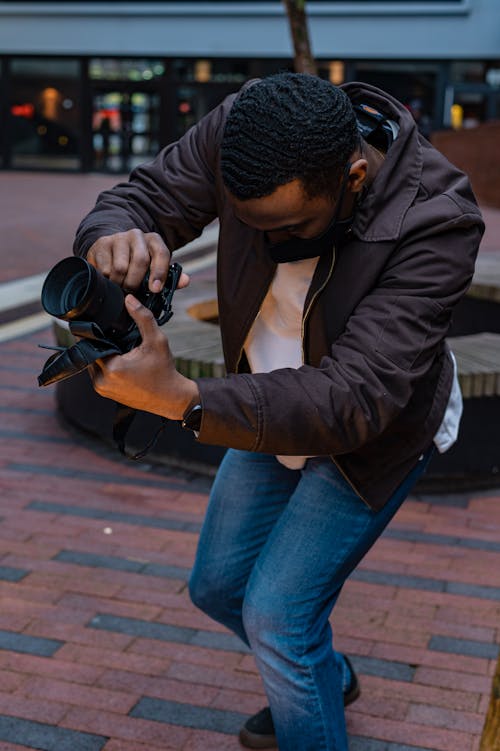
184 108
23 110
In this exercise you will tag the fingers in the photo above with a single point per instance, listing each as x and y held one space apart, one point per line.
116 377
143 317
160 261
184 280
126 257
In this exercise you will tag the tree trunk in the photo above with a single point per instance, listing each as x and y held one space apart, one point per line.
490 740
303 61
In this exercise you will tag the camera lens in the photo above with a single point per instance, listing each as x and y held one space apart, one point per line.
66 288
74 291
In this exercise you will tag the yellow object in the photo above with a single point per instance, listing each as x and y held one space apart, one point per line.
457 116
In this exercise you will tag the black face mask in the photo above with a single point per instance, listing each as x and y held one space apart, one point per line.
297 249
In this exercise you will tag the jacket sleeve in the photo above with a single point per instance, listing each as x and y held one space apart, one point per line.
389 344
174 195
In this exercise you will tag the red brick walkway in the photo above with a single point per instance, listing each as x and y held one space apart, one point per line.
98 637
101 650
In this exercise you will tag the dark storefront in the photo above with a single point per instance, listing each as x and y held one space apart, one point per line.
108 114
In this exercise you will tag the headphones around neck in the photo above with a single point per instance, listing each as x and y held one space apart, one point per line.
373 126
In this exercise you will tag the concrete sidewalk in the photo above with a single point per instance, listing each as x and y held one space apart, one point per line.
100 647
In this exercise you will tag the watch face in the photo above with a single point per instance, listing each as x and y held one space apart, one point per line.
192 421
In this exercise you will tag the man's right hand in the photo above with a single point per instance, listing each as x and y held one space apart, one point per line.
126 257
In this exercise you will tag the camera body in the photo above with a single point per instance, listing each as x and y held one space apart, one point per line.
94 306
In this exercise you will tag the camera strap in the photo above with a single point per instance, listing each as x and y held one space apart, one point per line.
124 417
68 361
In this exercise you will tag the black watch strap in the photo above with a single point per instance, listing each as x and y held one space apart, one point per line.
192 418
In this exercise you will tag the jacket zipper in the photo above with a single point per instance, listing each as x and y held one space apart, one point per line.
313 300
304 320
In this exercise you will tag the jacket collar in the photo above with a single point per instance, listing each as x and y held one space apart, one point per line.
381 211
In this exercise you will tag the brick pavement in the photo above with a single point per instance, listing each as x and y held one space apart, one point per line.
40 212
100 648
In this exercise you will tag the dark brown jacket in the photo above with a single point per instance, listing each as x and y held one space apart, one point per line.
377 374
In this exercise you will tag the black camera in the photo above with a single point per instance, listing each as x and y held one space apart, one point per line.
94 306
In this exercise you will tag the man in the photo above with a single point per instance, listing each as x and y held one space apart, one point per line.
346 240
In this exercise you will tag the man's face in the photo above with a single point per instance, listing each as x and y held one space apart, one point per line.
286 213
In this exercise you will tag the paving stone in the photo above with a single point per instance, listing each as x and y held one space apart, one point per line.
7 409
426 583
473 590
113 725
468 722
357 743
47 737
122 564
453 500
464 647
411 734
34 645
399 580
135 519
83 474
165 632
169 572
411 535
98 561
15 435
188 715
10 574
66 692
10 387
383 668
121 745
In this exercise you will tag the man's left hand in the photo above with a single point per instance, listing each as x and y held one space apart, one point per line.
145 378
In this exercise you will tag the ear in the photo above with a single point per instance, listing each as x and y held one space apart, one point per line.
357 175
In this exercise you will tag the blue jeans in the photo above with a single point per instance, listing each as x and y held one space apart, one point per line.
275 549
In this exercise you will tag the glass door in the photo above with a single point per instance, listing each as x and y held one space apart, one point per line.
125 128
194 101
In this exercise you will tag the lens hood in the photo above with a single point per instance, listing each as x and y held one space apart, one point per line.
75 290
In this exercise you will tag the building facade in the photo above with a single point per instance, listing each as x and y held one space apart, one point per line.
101 86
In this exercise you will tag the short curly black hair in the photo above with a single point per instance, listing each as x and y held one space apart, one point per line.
284 127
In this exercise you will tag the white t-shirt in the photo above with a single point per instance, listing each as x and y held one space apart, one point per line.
275 341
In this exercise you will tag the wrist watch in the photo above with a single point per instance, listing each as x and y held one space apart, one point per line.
191 419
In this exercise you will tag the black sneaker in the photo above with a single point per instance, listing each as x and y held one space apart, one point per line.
353 690
258 730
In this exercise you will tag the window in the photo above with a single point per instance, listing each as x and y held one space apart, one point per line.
44 113
211 71
124 69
